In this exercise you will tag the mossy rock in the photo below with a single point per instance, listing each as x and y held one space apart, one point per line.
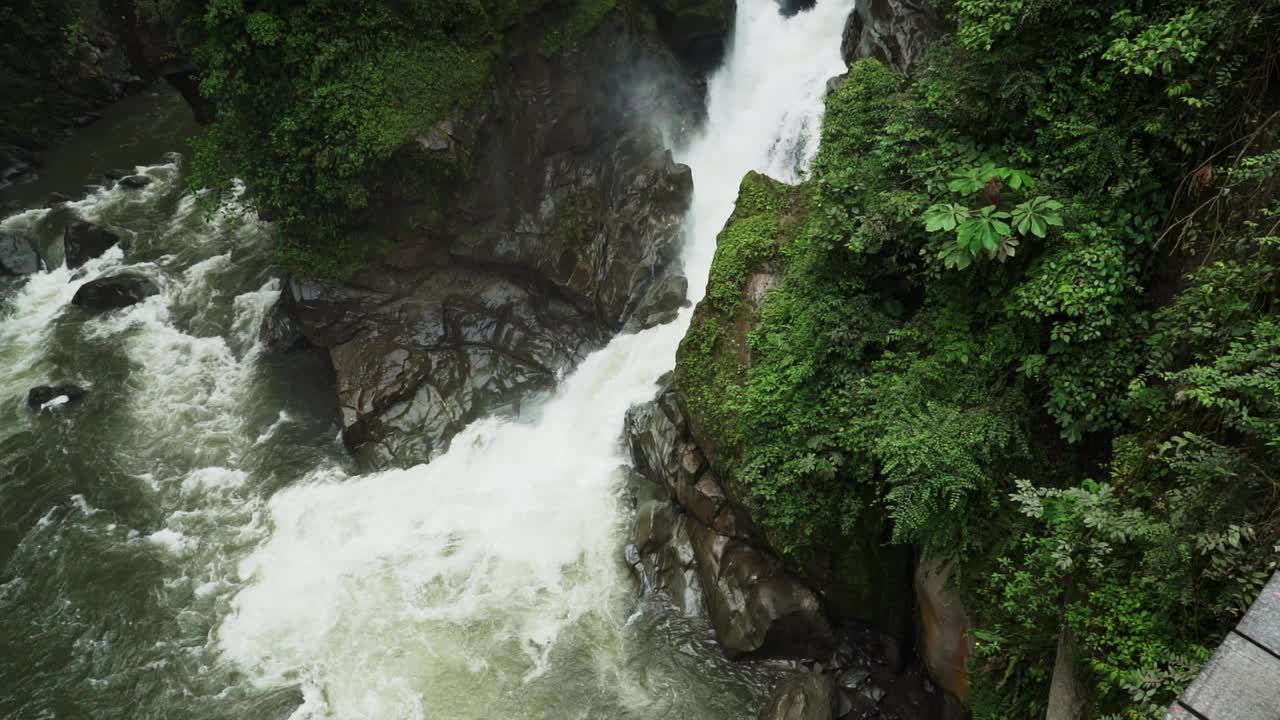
714 357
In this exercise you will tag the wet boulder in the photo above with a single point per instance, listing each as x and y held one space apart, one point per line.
896 32
114 291
19 255
415 363
789 8
806 695
660 303
757 607
280 331
47 397
83 241
661 556
135 182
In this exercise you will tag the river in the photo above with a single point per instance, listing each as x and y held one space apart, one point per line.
192 541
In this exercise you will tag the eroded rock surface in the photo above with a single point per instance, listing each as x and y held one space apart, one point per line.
558 223
430 351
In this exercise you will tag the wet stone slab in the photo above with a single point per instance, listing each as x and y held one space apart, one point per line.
1242 680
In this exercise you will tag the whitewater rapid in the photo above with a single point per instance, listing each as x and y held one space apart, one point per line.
488 582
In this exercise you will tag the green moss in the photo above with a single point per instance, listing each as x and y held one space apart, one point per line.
316 99
1088 428
712 360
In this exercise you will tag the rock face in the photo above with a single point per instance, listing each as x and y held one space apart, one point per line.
696 29
427 352
49 396
84 241
756 606
896 32
63 63
114 291
51 82
560 225
19 255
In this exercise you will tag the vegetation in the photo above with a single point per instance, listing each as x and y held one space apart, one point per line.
36 66
316 99
1029 313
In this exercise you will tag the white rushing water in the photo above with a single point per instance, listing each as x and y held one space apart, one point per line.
459 588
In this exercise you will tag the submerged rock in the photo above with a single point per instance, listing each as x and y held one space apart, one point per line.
806 695
114 291
19 255
83 241
47 397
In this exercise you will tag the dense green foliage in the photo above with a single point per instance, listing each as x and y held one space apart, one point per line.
1086 422
315 99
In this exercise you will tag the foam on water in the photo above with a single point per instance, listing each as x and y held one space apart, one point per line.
453 589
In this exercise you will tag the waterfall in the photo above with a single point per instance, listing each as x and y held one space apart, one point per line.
191 540
491 577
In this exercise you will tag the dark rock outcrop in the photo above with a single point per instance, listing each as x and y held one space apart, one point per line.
114 291
896 32
40 396
756 606
280 331
52 82
551 219
83 241
63 63
661 555
696 29
428 352
19 255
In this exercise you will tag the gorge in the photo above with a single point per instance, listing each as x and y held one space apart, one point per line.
796 360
